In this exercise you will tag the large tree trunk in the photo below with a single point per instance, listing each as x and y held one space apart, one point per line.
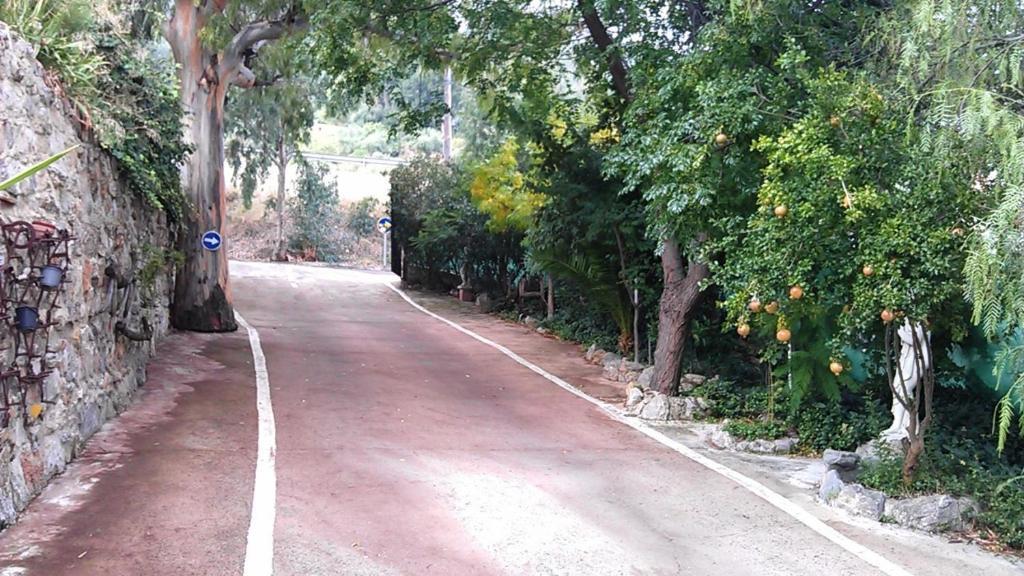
280 253
679 297
202 295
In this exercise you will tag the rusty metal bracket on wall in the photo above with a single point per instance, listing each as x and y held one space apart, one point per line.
124 286
34 279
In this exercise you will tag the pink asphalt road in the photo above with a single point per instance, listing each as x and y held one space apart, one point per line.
403 447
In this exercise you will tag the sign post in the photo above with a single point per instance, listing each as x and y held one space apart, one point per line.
384 227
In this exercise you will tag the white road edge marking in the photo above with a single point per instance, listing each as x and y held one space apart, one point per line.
259 544
774 498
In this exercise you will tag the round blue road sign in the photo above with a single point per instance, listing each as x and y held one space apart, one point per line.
384 224
212 241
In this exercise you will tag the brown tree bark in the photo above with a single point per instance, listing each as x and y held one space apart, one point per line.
681 290
679 297
202 294
603 40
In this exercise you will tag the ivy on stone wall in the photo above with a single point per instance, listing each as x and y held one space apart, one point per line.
118 85
139 122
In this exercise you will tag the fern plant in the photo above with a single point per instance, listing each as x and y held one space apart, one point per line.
598 281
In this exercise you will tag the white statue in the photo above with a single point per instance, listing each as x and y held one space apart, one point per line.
909 368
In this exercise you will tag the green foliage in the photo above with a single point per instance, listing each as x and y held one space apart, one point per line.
444 231
315 215
840 426
958 64
156 260
961 467
122 90
139 122
362 216
575 318
855 196
265 125
726 399
1005 511
61 31
756 429
598 282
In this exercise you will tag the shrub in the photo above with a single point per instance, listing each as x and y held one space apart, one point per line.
139 123
756 429
838 425
960 466
727 400
575 318
1005 512
315 214
362 217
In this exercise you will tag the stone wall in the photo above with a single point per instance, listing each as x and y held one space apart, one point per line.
95 372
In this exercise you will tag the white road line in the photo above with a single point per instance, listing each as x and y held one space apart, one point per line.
774 498
259 545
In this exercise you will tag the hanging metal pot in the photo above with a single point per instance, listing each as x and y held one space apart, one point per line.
26 318
50 276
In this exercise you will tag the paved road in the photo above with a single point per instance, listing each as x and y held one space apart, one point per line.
403 447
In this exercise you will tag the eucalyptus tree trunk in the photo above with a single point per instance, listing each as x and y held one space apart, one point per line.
281 253
202 294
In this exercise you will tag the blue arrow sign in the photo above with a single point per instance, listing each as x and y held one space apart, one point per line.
212 241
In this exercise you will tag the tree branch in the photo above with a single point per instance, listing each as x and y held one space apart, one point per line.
232 63
698 15
603 40
243 77
268 81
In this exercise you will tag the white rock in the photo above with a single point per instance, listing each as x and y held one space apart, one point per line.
841 460
631 366
831 485
786 445
646 377
690 381
611 372
611 359
860 501
656 408
721 439
756 446
935 513
634 396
